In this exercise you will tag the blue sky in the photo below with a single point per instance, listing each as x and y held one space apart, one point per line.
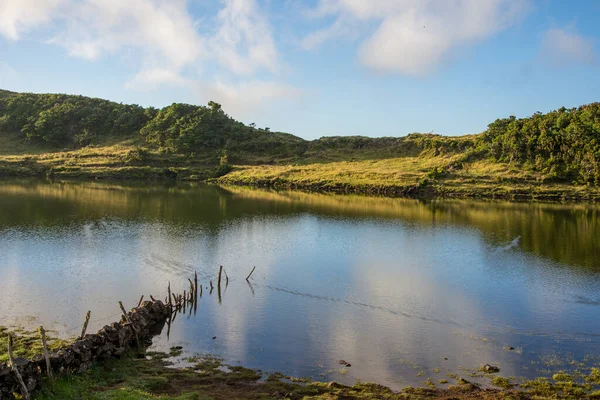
313 68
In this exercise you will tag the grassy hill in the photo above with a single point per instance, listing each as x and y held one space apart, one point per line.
554 155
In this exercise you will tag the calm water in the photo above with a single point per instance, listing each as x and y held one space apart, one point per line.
392 286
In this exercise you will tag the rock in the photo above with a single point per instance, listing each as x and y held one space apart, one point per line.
463 388
510 348
21 362
490 369
111 341
4 369
119 352
344 363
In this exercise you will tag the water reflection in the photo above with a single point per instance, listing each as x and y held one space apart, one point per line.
563 233
394 286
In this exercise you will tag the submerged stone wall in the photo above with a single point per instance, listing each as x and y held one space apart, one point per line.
111 341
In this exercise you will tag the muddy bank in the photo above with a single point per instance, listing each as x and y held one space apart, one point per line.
205 377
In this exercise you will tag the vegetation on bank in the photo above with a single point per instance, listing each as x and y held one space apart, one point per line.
27 344
441 176
154 377
145 375
554 155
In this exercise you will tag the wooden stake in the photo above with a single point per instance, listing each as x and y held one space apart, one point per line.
152 298
219 277
85 324
140 302
11 358
211 286
137 340
191 294
169 326
169 290
46 356
196 285
251 272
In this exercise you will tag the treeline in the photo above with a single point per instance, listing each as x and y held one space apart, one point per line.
562 144
63 120
59 120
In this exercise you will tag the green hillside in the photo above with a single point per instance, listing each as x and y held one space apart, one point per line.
76 136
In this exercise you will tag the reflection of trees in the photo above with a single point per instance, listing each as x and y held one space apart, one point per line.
564 233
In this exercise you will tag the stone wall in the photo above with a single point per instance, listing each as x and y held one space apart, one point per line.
111 341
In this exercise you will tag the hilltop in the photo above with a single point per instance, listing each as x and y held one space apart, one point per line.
553 155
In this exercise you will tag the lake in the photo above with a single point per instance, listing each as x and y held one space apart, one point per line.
401 289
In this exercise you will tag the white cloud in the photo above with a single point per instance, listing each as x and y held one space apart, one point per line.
170 47
242 98
163 32
340 28
153 77
413 37
563 47
244 41
18 16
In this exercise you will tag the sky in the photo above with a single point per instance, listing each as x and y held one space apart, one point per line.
317 67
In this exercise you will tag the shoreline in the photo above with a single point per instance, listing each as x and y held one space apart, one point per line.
139 373
543 193
424 176
432 191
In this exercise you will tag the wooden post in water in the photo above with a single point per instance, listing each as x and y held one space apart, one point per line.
137 340
11 358
169 325
46 356
140 302
219 277
191 294
85 324
169 290
196 285
251 272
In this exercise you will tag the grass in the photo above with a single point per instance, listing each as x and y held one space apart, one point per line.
26 343
118 160
424 175
153 378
